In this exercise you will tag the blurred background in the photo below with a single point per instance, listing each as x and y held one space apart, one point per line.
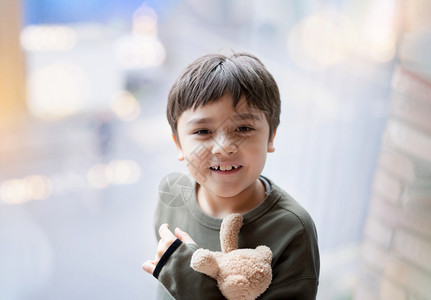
84 141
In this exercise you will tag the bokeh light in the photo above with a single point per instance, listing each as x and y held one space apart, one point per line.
117 172
40 187
125 106
57 90
328 37
321 40
97 176
145 21
22 190
378 35
137 52
123 172
48 38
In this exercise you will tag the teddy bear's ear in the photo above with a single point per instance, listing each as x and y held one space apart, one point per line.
266 252
205 261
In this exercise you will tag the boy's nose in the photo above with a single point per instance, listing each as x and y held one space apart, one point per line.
222 144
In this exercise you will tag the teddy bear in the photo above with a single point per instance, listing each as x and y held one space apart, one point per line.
240 273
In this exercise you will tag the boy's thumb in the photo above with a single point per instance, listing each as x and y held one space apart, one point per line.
184 236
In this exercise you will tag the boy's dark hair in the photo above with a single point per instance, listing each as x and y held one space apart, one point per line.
212 76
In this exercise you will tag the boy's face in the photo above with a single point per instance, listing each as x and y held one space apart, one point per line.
224 147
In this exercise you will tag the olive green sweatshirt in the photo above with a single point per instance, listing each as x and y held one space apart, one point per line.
279 222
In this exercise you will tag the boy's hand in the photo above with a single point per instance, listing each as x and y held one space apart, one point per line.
166 239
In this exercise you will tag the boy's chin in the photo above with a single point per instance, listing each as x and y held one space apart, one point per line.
220 190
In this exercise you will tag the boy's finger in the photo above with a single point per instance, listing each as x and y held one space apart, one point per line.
165 233
184 236
149 266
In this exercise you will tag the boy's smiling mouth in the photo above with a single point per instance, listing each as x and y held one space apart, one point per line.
225 168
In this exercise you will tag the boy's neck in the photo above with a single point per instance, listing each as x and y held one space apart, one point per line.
219 207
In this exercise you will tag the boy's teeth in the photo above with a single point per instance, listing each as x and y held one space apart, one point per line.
224 168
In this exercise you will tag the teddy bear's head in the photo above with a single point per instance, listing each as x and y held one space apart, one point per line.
240 273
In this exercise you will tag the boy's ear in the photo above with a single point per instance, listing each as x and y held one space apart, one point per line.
271 147
180 151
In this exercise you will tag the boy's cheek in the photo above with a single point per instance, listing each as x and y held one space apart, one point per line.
196 169
197 162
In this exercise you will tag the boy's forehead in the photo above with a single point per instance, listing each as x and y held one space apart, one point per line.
239 111
228 103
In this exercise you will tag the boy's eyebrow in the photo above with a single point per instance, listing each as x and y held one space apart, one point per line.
247 116
197 121
240 117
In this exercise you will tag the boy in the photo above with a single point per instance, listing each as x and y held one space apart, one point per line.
224 112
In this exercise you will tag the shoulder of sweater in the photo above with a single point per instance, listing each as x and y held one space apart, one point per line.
288 206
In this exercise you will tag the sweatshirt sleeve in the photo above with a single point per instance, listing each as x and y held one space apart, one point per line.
296 268
180 280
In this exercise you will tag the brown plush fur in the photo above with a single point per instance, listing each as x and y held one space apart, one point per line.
240 273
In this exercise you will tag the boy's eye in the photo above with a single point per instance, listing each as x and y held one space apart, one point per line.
202 132
244 129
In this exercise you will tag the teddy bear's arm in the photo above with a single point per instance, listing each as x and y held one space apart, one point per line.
205 261
266 253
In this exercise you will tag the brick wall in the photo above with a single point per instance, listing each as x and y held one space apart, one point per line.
396 248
